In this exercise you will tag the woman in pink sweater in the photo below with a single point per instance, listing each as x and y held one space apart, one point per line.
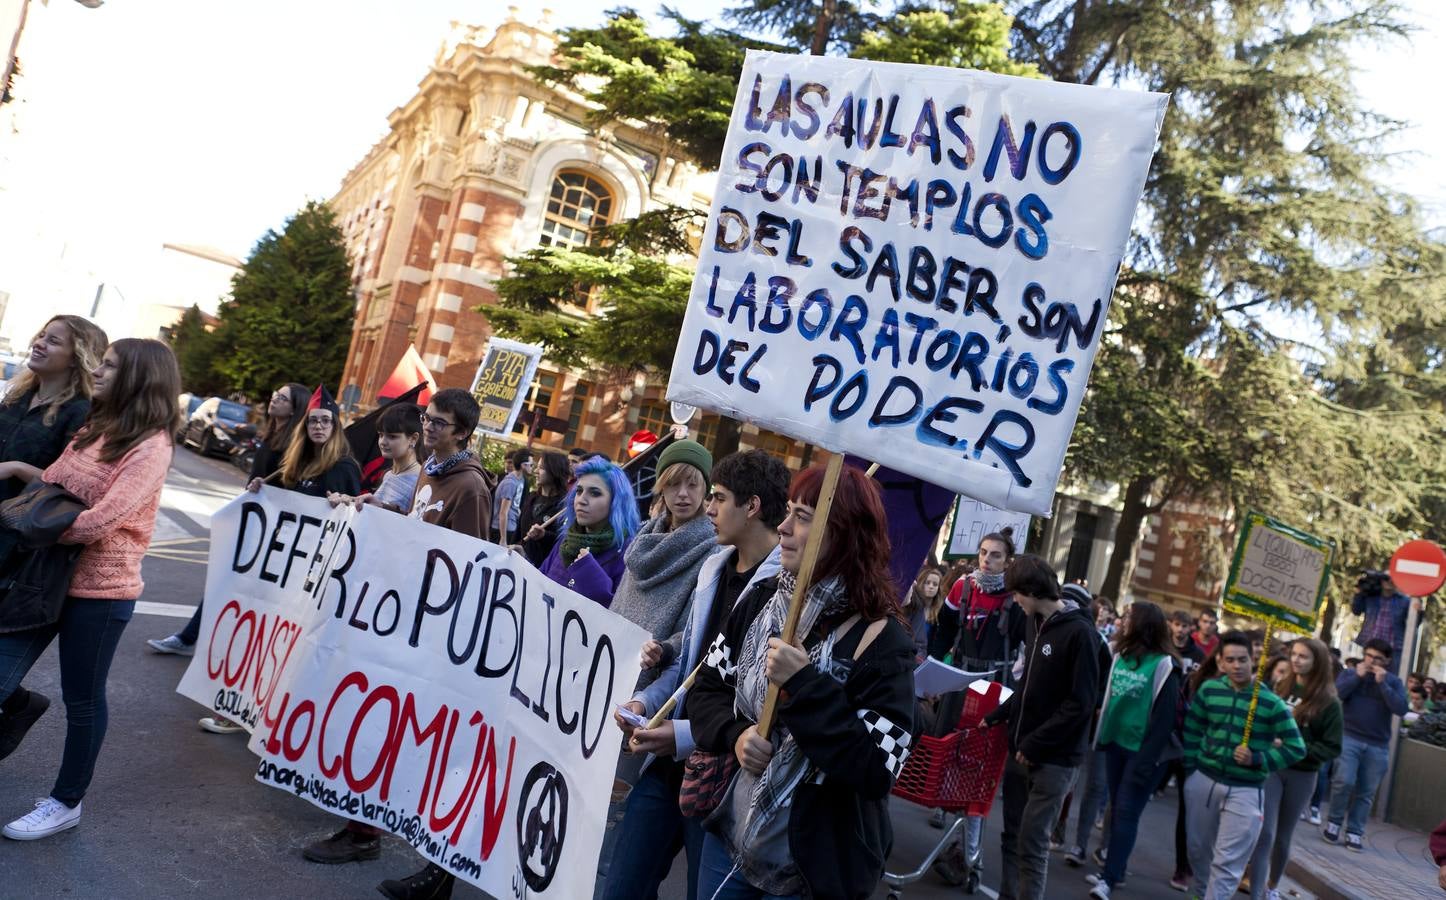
117 464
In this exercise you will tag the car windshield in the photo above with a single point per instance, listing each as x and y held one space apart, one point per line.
233 413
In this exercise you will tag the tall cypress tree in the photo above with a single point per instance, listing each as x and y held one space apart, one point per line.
292 307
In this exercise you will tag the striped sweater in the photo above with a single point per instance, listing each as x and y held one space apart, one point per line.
1215 722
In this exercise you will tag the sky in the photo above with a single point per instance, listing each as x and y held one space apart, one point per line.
172 121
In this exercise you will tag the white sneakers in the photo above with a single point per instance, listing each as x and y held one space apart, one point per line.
49 816
218 725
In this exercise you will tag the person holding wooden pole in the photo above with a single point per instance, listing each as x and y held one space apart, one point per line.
807 811
1236 735
746 505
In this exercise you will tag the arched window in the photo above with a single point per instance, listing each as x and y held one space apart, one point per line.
577 207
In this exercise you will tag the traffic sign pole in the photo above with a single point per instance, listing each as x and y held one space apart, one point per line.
1417 569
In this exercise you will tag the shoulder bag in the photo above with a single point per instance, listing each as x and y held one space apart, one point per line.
707 775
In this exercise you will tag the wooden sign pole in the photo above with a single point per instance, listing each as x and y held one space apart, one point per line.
805 576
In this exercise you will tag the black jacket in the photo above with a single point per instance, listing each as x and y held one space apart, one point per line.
854 733
1050 712
342 478
996 639
536 509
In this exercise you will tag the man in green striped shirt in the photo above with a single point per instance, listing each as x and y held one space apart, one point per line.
1223 796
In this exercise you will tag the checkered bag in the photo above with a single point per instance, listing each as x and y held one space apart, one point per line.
706 777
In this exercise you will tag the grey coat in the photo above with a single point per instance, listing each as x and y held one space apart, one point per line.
657 586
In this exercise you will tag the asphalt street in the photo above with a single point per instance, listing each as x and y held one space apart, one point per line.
174 811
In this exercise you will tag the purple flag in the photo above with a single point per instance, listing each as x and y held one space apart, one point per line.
916 511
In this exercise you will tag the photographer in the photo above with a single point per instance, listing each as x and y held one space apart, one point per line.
1385 609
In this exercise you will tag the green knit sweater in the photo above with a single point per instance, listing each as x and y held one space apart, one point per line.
1322 735
1215 722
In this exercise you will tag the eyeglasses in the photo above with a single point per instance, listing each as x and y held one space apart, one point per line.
431 422
1375 657
319 420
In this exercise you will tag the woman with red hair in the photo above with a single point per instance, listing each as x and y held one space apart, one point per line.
806 813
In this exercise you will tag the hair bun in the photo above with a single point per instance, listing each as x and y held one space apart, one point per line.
1007 531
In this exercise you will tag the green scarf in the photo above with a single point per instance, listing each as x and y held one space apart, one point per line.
576 539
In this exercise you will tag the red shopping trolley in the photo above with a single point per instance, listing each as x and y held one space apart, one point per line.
958 773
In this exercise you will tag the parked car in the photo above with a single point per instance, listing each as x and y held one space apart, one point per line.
10 366
217 426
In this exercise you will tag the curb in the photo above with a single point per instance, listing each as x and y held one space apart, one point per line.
1321 887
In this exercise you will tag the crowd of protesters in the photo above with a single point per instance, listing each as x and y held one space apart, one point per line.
1107 705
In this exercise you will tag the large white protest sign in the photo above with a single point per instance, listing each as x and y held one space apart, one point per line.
914 264
973 520
429 683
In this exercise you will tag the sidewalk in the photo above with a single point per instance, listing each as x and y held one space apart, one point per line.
1394 863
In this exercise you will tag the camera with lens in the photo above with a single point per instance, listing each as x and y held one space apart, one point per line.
1372 583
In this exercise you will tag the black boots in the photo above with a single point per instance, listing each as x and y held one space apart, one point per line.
21 710
432 883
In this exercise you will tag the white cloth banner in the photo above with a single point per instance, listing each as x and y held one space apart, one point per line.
914 264
973 520
420 680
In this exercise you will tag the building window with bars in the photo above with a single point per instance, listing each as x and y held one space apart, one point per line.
774 444
541 400
575 413
653 416
577 207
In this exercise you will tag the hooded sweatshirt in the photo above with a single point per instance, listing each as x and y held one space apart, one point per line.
457 499
1049 713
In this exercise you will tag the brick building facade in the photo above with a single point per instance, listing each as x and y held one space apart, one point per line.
486 162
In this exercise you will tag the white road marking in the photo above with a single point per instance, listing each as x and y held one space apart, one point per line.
174 610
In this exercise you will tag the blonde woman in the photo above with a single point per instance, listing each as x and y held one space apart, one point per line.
49 398
662 562
320 462
44 405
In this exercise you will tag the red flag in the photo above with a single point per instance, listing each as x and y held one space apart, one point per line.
410 371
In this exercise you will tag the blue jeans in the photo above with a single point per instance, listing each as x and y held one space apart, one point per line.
718 881
1130 784
1323 785
1358 773
89 631
652 832
192 632
1091 799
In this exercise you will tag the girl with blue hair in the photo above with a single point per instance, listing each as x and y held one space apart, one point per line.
600 519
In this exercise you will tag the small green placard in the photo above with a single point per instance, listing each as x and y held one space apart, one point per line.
1278 572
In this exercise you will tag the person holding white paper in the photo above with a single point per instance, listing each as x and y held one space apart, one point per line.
991 630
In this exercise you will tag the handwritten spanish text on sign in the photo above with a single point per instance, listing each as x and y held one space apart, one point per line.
429 683
972 520
502 383
1279 572
914 264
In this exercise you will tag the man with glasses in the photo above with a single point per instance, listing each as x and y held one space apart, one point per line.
1370 696
452 489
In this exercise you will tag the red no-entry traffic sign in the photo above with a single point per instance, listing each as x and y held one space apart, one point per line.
1418 568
